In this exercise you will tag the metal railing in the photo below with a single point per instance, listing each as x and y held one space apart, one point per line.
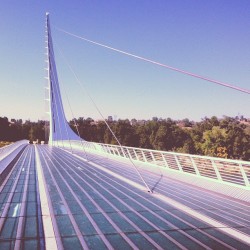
6 150
220 169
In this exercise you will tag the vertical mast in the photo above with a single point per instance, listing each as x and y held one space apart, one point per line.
59 127
48 88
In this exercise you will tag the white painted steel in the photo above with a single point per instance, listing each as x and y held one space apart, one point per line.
235 172
5 151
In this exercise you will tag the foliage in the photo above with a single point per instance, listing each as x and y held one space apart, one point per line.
4 143
227 137
15 130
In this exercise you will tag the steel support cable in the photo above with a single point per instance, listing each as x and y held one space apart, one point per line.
61 108
100 113
65 125
50 55
71 110
53 93
158 63
56 92
57 110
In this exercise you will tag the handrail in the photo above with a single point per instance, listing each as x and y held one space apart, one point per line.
8 149
220 169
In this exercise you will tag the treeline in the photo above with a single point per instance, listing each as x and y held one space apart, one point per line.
15 130
227 137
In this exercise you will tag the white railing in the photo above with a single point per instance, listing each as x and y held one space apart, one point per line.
6 150
220 169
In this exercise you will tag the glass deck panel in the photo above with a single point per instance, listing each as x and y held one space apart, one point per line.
105 206
6 189
122 223
74 207
32 196
157 221
30 244
178 223
84 224
90 207
140 241
95 242
237 244
184 240
103 223
59 208
3 197
17 197
142 224
31 188
9 229
117 242
19 188
71 243
31 209
164 242
7 244
14 209
31 226
64 225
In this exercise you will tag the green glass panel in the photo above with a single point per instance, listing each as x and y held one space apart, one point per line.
140 241
30 229
3 197
64 225
71 243
142 224
31 188
7 245
84 224
30 245
9 228
118 242
14 209
95 242
17 197
31 196
59 208
31 209
122 223
103 223
19 188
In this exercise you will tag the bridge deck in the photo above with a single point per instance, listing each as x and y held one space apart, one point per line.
228 210
20 213
93 209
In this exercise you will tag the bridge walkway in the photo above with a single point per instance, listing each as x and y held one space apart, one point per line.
233 212
20 211
93 209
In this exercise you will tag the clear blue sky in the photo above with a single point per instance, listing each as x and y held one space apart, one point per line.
210 38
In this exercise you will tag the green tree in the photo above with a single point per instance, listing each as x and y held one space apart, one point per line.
212 139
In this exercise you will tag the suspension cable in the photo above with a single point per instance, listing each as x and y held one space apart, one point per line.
100 113
71 110
157 63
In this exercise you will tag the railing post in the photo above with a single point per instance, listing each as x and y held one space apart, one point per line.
195 166
216 170
166 164
144 157
117 149
112 150
129 154
108 148
178 163
246 181
153 157
136 155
